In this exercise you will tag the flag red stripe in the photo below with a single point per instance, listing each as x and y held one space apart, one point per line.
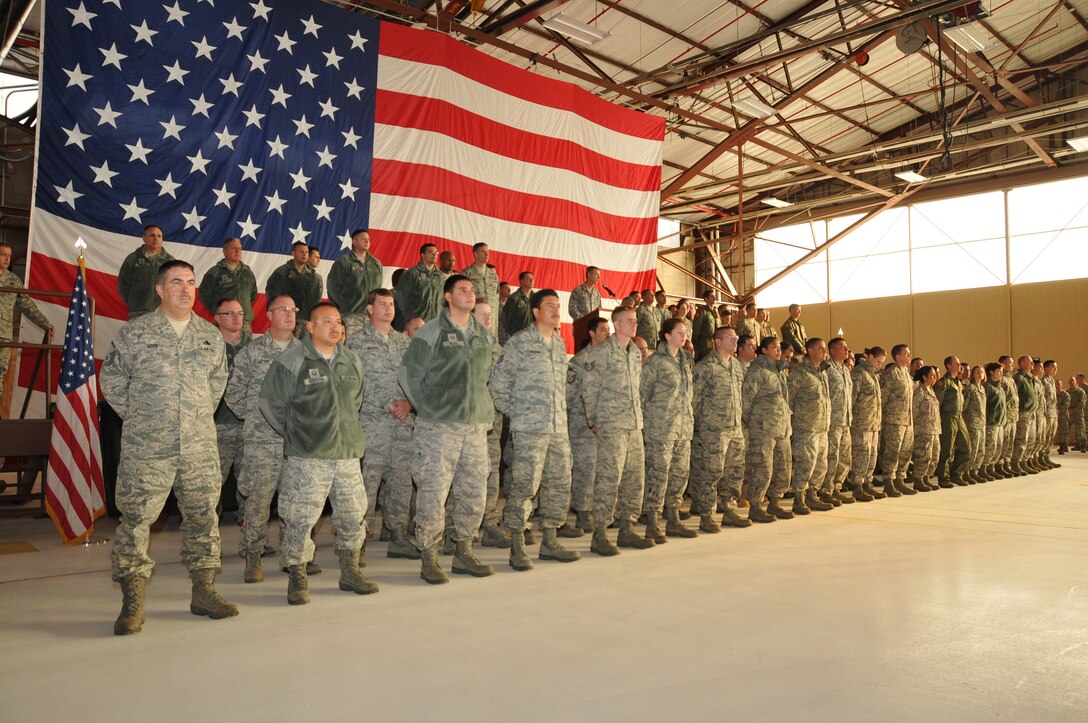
68 453
56 511
412 180
404 43
47 272
438 116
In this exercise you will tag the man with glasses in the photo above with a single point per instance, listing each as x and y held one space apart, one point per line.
262 458
229 318
164 376
311 396
230 278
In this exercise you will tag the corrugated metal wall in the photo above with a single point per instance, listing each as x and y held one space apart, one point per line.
977 325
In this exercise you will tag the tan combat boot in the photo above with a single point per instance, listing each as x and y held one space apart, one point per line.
352 578
205 600
298 585
431 571
465 561
600 544
399 547
675 528
519 559
131 619
551 549
253 571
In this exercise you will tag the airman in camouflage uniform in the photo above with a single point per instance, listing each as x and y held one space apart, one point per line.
164 376
766 328
445 373
717 449
311 395
974 416
766 416
296 279
1078 400
387 421
649 320
1025 424
262 460
1061 404
955 451
8 302
528 384
704 326
1050 415
1012 417
229 318
665 391
995 421
230 278
585 297
516 312
927 430
865 428
810 418
583 441
747 324
494 535
138 275
610 395
840 388
484 278
353 276
897 423
419 291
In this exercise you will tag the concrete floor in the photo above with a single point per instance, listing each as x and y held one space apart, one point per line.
965 604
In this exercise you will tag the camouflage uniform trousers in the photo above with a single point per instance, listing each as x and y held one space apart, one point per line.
995 444
584 454
955 452
1044 433
228 438
388 449
450 462
768 465
717 467
1025 436
619 486
541 467
977 436
863 450
355 322
303 488
142 488
494 456
1007 439
839 458
1062 428
809 460
898 440
258 482
668 463
1077 423
927 452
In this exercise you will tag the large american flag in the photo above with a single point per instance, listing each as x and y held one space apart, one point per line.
74 491
284 120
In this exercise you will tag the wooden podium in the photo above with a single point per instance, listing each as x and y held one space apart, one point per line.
580 327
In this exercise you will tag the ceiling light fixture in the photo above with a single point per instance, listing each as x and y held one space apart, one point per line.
970 37
1078 144
752 107
775 202
575 30
912 177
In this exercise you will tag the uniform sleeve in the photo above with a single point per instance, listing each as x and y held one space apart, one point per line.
116 374
275 396
31 311
413 369
753 382
124 281
252 283
502 380
591 387
206 290
647 384
334 280
235 396
273 287
217 377
793 386
698 388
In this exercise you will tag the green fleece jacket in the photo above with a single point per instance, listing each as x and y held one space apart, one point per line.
314 405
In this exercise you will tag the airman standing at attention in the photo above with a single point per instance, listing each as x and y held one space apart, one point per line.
840 387
585 297
748 325
297 280
974 416
610 393
766 416
955 445
766 328
649 321
8 302
529 385
485 279
706 323
1061 404
897 422
229 318
1050 428
139 275
230 278
793 331
583 442
1078 401
355 273
517 313
927 429
1012 416
865 429
1025 424
810 419
995 421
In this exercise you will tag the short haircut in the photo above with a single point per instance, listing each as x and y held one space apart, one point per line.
232 238
322 305
272 302
595 323
296 244
766 342
452 281
725 309
709 292
991 368
948 360
750 305
916 359
745 338
150 226
591 269
523 274
224 300
810 344
899 349
172 264
648 291
424 247
358 231
723 331
380 291
478 245
314 250
1049 363
669 326
622 310
537 297
794 306
834 343
503 283
1004 358
1023 357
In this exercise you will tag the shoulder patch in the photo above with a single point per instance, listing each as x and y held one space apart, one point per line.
111 357
590 366
572 376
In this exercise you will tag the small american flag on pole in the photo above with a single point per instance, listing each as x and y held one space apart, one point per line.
74 492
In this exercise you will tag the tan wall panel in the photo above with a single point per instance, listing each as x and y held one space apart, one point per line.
871 322
973 324
1046 321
